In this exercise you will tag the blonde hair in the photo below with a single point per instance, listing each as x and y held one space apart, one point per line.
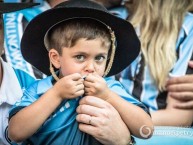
159 22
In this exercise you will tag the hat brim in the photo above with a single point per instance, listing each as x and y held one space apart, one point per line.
34 51
10 7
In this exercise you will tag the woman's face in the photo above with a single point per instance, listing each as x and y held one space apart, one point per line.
86 56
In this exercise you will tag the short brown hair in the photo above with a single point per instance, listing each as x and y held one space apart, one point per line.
67 33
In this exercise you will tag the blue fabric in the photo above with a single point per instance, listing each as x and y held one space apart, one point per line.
150 92
120 11
25 80
61 128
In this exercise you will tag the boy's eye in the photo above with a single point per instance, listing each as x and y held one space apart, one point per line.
100 58
80 57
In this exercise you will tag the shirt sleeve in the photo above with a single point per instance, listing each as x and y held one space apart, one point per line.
29 96
118 88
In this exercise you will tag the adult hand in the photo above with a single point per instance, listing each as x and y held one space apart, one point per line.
181 89
99 119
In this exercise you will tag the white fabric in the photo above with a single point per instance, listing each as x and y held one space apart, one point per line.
10 92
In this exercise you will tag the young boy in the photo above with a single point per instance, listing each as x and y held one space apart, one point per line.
84 43
12 81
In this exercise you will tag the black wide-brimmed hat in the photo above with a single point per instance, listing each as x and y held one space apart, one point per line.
33 47
10 7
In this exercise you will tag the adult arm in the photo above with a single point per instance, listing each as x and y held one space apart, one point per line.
172 116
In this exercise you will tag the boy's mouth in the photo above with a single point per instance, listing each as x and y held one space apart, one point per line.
84 77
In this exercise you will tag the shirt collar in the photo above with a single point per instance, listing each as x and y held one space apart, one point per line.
186 29
188 23
44 85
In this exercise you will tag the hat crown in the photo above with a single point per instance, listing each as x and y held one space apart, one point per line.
81 4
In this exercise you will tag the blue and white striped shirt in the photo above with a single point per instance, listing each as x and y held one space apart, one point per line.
144 87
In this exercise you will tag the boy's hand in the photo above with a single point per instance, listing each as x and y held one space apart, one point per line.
96 86
70 86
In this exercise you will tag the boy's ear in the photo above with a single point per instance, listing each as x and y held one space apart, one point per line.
54 58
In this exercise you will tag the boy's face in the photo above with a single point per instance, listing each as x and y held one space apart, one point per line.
87 56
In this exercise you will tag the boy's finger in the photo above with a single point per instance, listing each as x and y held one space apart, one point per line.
90 78
79 82
79 93
80 87
75 76
88 84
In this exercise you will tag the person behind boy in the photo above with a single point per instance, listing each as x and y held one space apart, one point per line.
19 20
85 43
12 81
166 74
116 7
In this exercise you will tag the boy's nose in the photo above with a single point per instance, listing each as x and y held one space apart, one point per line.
89 68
